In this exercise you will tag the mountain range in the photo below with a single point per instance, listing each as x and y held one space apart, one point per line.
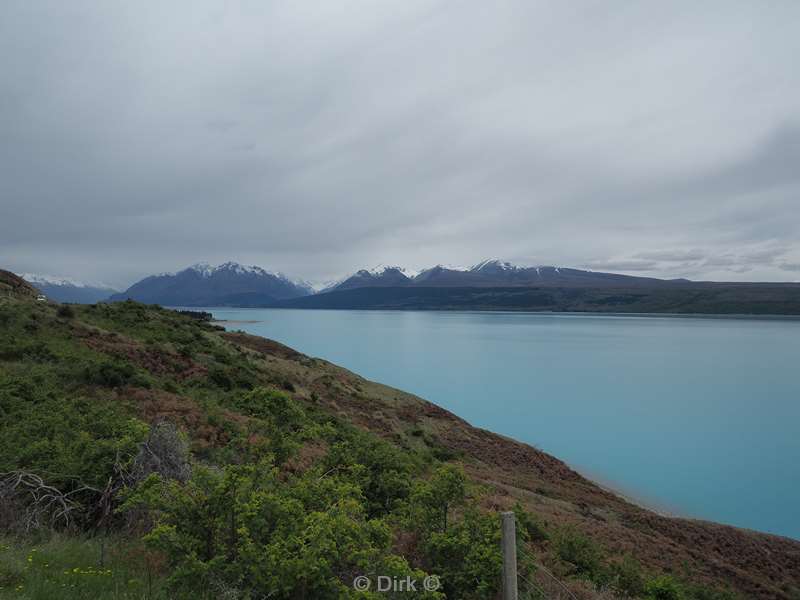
232 284
63 289
489 285
491 273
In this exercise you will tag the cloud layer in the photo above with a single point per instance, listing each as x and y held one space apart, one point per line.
316 138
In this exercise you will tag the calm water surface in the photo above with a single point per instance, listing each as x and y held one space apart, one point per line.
699 417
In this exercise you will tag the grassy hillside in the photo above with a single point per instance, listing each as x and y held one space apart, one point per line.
148 454
752 299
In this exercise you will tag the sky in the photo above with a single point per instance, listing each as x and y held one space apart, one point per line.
317 138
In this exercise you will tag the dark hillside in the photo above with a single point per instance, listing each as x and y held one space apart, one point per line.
754 299
14 286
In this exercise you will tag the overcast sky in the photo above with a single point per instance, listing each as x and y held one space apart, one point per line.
315 138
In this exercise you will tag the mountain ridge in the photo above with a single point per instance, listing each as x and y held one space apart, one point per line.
700 298
202 284
492 272
491 284
66 289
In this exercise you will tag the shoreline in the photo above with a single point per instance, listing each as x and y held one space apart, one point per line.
549 313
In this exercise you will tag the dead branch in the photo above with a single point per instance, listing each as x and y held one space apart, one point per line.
43 504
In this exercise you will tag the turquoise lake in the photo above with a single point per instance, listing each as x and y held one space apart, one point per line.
697 417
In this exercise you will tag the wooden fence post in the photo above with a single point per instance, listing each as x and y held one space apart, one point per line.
509 556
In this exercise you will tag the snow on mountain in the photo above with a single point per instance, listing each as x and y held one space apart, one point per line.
229 283
380 275
450 267
205 269
381 269
66 289
37 278
496 264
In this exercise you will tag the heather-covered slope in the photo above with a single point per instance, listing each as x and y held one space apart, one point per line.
277 473
15 287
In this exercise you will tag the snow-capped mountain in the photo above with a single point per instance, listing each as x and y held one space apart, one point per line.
379 276
487 273
65 289
203 284
234 284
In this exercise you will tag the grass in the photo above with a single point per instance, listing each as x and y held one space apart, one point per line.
78 568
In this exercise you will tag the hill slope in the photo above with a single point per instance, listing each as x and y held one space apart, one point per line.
13 286
271 432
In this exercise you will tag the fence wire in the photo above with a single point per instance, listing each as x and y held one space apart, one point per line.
548 586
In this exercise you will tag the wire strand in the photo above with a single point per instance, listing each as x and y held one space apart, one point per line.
547 572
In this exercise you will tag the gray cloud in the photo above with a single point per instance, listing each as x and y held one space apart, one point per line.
672 255
622 265
316 139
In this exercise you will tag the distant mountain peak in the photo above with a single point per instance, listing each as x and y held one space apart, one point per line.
446 267
379 275
497 264
381 269
38 278
205 269
66 289
204 284
494 263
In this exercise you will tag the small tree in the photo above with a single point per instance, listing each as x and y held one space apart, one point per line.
433 499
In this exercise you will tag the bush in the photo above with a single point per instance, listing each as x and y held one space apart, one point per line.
381 471
663 588
627 577
65 311
467 556
581 552
432 500
531 526
220 377
109 374
279 423
243 529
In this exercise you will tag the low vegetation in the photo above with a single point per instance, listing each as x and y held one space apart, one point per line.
144 454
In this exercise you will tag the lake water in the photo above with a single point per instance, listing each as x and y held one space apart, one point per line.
695 416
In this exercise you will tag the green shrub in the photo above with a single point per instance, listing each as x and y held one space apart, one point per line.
220 377
243 529
467 556
380 470
531 526
67 440
431 501
663 587
627 577
109 374
585 556
65 311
